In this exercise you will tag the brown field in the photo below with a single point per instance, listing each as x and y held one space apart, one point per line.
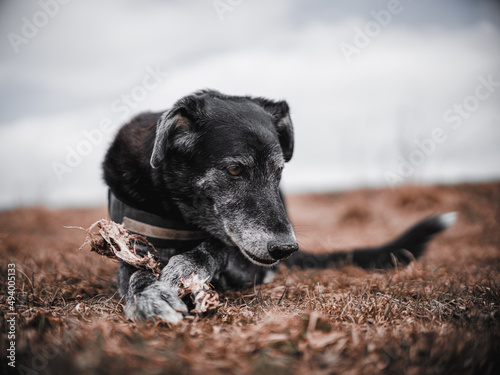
439 315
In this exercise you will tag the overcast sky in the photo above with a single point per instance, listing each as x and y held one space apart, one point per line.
381 92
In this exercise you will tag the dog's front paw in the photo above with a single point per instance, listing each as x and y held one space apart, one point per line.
156 301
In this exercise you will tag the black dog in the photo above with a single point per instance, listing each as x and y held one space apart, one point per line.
201 182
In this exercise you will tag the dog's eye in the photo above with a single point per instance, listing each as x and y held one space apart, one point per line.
278 172
234 170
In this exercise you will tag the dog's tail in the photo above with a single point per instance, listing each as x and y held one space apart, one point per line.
408 246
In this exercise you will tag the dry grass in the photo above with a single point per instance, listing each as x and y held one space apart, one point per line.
439 315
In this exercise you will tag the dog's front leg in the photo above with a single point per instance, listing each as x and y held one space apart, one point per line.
151 298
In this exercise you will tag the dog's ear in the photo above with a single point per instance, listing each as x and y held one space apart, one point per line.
284 128
175 126
168 122
283 123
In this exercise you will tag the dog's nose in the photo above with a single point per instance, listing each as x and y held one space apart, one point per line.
279 251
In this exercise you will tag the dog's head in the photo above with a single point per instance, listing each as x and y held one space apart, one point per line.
221 159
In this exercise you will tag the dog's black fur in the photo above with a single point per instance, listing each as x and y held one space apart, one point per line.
215 161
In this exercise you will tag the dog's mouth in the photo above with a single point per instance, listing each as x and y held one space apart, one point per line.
250 255
259 261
